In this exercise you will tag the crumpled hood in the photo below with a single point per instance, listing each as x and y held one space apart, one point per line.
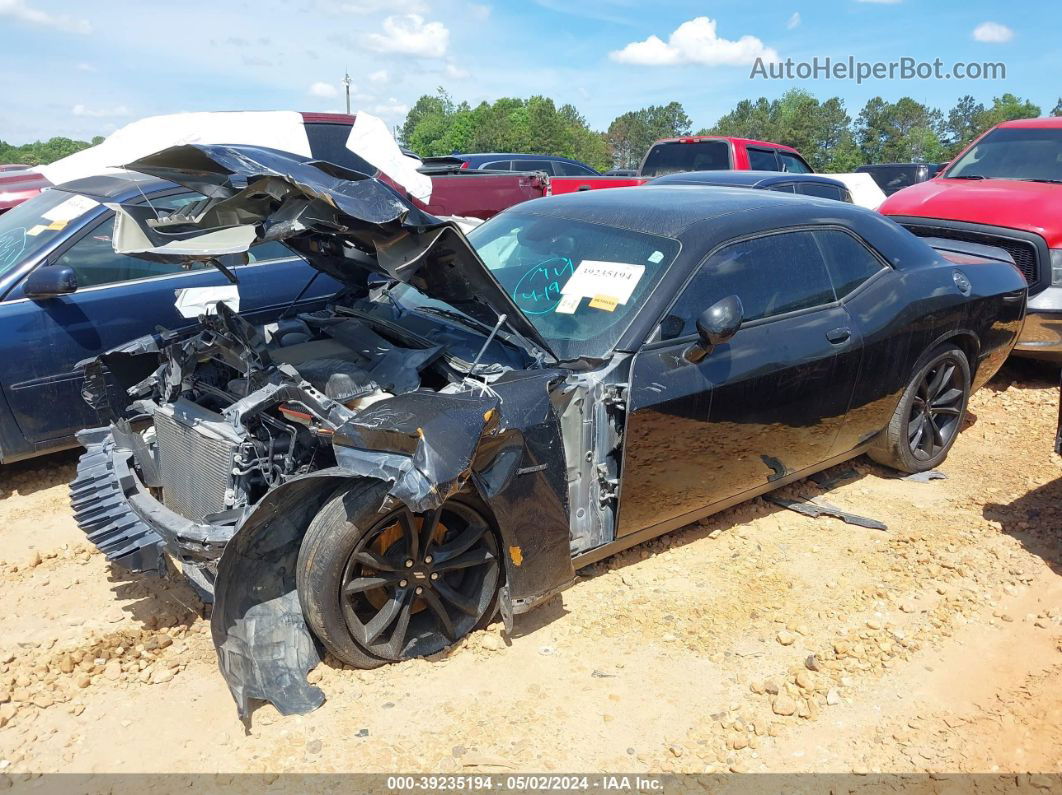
1031 206
345 223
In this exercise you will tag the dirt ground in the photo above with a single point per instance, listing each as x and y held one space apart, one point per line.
757 640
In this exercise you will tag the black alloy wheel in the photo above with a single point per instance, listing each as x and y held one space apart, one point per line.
938 403
409 585
926 421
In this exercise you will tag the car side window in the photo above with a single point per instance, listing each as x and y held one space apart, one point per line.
496 165
772 275
273 250
849 262
573 169
763 160
820 190
533 165
783 187
793 164
95 261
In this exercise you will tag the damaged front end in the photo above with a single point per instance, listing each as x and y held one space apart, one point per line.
224 442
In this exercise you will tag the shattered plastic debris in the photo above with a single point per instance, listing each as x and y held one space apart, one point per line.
925 477
815 509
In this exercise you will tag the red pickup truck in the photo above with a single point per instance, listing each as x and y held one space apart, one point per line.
1004 190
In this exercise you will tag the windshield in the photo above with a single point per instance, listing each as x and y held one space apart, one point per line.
1013 153
578 283
675 157
32 226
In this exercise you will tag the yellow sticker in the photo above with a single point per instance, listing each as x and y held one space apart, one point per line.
33 231
606 302
56 226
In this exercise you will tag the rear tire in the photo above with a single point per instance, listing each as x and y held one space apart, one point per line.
381 586
930 413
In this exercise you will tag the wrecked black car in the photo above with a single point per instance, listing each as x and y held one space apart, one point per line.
475 418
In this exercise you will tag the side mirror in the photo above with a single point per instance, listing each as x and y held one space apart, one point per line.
48 281
716 325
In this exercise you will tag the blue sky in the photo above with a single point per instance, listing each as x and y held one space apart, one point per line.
79 69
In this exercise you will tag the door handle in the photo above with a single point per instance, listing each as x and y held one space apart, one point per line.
839 335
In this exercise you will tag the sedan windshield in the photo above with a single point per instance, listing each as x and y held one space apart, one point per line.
1013 153
32 226
579 283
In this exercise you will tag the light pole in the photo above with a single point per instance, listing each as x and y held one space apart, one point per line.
346 87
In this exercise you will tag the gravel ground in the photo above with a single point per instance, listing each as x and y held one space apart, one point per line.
756 640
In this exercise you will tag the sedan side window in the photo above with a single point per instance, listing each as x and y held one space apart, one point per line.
95 262
849 262
771 275
265 252
820 190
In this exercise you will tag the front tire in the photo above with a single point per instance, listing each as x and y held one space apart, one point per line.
382 586
930 413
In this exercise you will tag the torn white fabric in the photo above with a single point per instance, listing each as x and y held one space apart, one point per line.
281 129
195 301
371 139
865 191
129 238
74 207
466 222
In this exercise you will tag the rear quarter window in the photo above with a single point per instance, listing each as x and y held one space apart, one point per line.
329 142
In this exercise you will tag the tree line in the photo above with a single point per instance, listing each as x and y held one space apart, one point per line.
822 130
43 152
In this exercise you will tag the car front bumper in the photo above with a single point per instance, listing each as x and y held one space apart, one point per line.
1041 337
118 514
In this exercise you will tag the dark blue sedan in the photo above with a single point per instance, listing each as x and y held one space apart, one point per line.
554 165
65 296
817 185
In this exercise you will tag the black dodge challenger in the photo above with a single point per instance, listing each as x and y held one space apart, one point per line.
476 418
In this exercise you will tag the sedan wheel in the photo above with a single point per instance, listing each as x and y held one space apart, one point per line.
927 419
407 585
935 410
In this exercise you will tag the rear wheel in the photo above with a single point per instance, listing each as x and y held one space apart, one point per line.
382 586
929 415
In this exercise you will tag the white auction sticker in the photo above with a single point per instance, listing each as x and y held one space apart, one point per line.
615 280
568 304
70 209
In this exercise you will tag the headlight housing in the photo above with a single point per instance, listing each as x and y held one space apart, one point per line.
1056 267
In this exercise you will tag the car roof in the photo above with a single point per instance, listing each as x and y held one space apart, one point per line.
115 187
668 210
742 178
1048 122
499 155
692 139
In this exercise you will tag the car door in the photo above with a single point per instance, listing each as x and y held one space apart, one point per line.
768 403
118 299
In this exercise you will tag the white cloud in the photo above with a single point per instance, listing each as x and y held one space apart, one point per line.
993 33
100 113
409 34
695 42
86 67
24 13
479 11
794 21
455 72
391 108
322 89
379 76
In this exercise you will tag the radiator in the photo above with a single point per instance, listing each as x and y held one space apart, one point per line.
196 451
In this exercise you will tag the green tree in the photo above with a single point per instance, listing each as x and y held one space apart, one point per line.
42 152
630 135
963 124
1057 111
900 131
1006 108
